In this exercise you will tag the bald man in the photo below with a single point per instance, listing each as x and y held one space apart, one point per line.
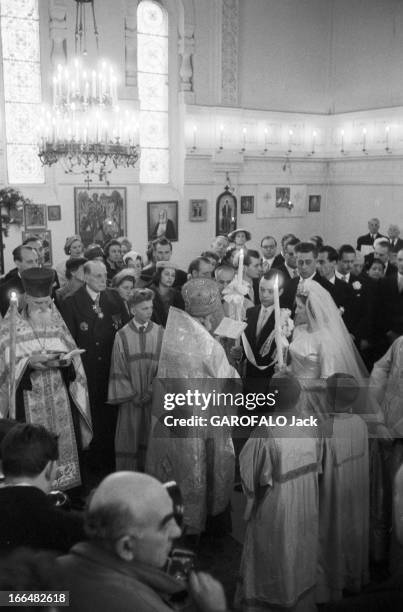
131 525
93 315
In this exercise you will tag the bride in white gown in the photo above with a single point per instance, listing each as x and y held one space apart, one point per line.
321 346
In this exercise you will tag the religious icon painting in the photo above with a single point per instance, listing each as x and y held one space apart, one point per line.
54 213
226 213
46 237
198 210
314 203
247 205
162 220
100 214
35 216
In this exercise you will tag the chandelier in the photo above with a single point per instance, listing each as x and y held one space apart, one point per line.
85 130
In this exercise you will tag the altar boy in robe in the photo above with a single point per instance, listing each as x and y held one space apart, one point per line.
134 365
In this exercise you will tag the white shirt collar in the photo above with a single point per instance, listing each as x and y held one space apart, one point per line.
332 280
290 270
309 277
342 276
93 294
138 325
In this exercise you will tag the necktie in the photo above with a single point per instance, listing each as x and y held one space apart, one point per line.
295 273
97 307
263 316
345 278
142 329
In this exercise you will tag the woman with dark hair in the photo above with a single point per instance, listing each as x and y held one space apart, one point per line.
113 257
165 295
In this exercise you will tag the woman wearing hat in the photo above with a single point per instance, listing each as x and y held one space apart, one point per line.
74 249
165 295
124 282
240 237
134 261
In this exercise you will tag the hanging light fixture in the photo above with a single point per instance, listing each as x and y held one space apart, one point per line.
85 130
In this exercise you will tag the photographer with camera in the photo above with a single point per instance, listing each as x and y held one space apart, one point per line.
132 522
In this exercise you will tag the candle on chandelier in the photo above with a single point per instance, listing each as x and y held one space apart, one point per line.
364 139
194 135
387 129
93 85
342 142
221 136
243 139
266 132
290 133
313 141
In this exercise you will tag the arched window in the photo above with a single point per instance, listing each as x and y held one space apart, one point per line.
152 67
22 88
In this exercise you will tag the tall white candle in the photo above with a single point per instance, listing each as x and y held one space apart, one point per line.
277 319
13 348
240 266
221 136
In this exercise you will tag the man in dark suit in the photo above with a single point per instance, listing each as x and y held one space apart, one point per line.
307 258
389 306
93 315
260 324
162 251
396 243
25 257
373 234
382 252
289 266
270 258
252 271
28 518
343 293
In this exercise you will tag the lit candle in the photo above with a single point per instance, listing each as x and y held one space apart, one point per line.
364 139
387 137
266 132
221 136
194 135
277 323
313 141
290 133
13 349
54 91
93 84
243 139
342 142
240 267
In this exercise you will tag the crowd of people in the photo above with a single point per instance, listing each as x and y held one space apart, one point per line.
95 347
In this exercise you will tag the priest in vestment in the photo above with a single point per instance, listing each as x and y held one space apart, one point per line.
134 365
50 390
200 459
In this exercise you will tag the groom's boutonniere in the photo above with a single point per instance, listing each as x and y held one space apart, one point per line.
357 285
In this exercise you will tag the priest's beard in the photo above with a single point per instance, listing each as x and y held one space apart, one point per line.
41 319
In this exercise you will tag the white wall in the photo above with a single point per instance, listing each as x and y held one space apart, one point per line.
294 55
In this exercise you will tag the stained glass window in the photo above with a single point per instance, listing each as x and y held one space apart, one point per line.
22 88
152 66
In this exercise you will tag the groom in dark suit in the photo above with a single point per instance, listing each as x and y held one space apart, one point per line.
260 321
307 260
